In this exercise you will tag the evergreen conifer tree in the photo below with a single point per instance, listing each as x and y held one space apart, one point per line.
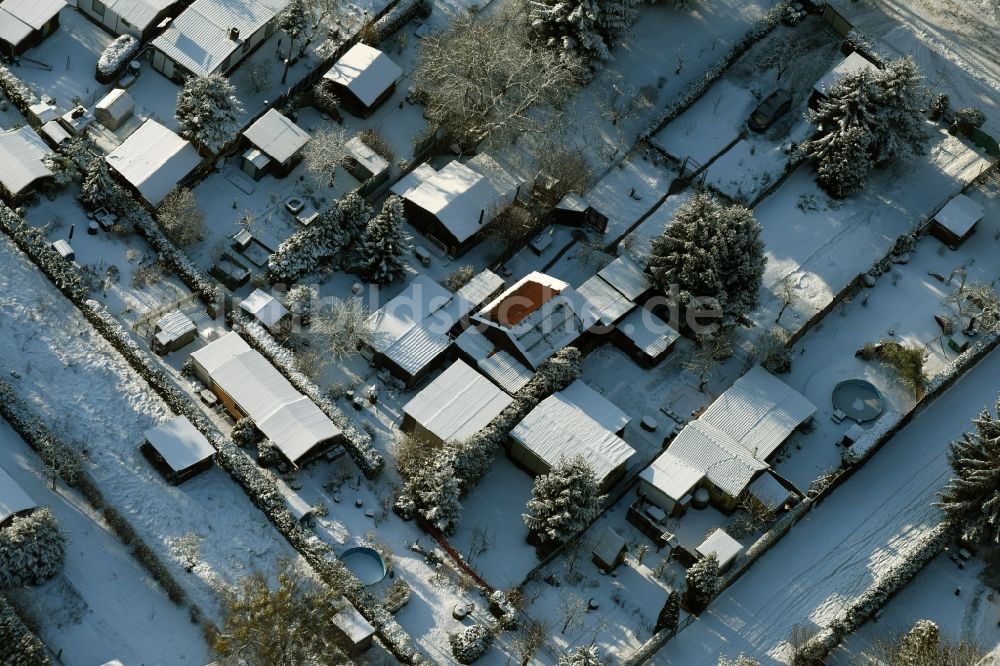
564 501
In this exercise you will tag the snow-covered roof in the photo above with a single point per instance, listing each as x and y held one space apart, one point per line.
539 314
353 624
725 547
649 333
140 13
297 426
55 131
154 160
179 443
35 13
959 215
849 65
671 476
482 287
770 493
413 179
277 136
366 72
213 356
609 546
13 499
457 404
626 276
256 387
12 29
267 309
362 153
573 202
118 104
21 155
198 39
759 412
603 301
713 453
559 428
473 343
459 195
506 371
596 406
173 325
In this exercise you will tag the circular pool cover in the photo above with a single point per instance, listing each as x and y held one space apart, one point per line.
366 564
858 399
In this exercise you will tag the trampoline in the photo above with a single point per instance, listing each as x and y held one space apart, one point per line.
858 399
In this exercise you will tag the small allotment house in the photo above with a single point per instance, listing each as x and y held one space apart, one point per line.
354 628
363 79
178 449
25 23
153 161
173 331
456 405
22 165
609 551
503 369
453 206
138 18
367 166
114 109
278 140
266 309
576 420
725 548
645 337
13 500
957 220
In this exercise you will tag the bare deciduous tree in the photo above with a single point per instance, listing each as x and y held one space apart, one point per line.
324 153
571 608
181 218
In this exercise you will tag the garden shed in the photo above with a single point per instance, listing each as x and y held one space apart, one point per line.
853 63
138 18
725 547
370 168
355 629
279 139
114 109
957 220
603 302
178 449
266 309
609 551
645 337
173 331
22 165
363 78
628 278
153 160
25 23
13 500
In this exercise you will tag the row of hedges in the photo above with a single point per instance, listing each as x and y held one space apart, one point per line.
58 455
257 483
16 90
19 647
693 91
394 19
358 444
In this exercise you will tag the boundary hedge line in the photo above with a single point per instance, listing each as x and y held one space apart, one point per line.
20 646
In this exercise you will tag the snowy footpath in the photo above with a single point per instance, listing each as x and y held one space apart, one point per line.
861 530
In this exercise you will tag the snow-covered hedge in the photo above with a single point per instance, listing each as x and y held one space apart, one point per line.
693 91
16 90
863 44
869 442
19 646
396 18
358 444
115 57
32 549
471 644
396 596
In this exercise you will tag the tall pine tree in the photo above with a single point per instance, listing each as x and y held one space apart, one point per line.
585 655
711 251
702 580
564 501
381 251
670 614
582 29
971 500
208 112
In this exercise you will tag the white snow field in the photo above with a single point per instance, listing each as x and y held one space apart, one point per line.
87 393
865 527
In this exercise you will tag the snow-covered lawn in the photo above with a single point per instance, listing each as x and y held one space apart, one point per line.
110 596
863 528
86 392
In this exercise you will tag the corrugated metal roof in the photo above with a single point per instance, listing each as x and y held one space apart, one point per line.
21 154
506 371
671 475
12 29
649 333
712 452
422 297
474 344
154 160
759 411
175 324
13 499
457 404
626 276
366 72
267 309
596 406
603 301
179 443
277 136
214 355
483 286
725 547
35 13
254 384
296 427
198 39
558 429
140 13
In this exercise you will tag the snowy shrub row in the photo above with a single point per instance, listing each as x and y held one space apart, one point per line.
396 18
115 57
396 596
19 646
863 44
470 644
868 443
358 444
33 242
16 90
954 369
32 549
693 91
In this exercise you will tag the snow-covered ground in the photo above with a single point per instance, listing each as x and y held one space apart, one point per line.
864 527
88 394
102 591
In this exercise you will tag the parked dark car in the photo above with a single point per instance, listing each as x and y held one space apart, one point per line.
773 106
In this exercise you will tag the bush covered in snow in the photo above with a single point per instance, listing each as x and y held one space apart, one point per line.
564 501
703 583
19 646
32 549
396 595
208 112
394 19
585 655
862 43
505 610
115 57
16 90
471 644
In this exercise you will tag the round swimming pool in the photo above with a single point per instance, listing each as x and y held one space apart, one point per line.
366 564
858 399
